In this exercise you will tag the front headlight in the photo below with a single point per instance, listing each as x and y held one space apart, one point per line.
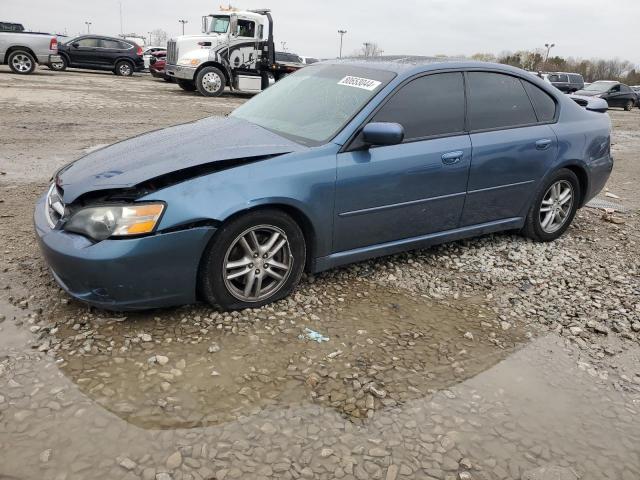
100 223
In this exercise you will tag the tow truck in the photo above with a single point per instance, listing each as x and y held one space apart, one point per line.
235 49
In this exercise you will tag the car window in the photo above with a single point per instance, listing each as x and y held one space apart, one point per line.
427 106
124 45
115 44
625 89
615 88
576 78
246 28
89 42
497 100
543 104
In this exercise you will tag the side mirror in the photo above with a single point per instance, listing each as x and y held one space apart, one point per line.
204 24
383 133
75 44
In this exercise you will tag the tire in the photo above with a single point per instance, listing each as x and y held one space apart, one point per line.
123 68
60 66
226 248
210 82
534 227
187 85
628 106
21 62
168 79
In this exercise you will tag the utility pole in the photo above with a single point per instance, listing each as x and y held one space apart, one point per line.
366 48
341 32
149 38
183 22
548 46
121 29
88 24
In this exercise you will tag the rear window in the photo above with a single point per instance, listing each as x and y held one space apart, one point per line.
575 78
111 44
427 106
497 100
543 104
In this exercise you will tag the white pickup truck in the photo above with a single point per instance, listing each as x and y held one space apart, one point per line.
22 51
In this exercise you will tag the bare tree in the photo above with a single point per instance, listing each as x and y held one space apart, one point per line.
369 49
159 37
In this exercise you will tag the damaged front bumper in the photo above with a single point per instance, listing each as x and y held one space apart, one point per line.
125 274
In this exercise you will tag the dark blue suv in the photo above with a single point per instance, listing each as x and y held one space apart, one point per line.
93 52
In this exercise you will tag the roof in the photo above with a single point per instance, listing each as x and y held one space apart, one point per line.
407 65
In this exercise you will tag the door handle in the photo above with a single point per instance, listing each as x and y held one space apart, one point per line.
452 157
543 144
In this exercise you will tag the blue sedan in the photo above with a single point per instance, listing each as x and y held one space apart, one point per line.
340 162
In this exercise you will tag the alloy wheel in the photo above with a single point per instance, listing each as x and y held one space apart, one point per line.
258 263
22 63
211 82
125 69
556 206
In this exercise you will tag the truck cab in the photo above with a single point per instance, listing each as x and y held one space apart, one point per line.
235 49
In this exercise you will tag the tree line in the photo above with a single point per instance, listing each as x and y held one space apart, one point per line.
592 70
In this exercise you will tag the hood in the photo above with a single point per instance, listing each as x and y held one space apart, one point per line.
204 142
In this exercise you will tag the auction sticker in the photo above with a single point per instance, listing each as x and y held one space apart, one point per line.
358 82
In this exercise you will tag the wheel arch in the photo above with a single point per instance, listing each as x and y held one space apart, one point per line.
219 65
125 59
13 48
583 179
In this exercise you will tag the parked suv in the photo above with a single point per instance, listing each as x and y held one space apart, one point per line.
565 82
121 56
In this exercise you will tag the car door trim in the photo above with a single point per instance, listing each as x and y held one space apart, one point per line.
506 185
390 206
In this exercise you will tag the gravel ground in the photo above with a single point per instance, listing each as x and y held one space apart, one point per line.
493 358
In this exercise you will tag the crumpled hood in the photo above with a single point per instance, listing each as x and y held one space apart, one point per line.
150 155
588 93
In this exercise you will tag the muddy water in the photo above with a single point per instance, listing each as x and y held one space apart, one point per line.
402 387
383 349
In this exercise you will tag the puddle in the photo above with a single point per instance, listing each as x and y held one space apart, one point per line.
384 349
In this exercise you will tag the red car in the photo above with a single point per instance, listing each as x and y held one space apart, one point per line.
157 66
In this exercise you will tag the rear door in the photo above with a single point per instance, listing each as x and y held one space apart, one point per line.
513 145
110 50
418 187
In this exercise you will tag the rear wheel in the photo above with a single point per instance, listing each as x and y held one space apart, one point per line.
21 62
554 207
210 82
628 106
187 85
253 260
123 69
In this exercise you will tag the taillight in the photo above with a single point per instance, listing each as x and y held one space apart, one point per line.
139 51
53 44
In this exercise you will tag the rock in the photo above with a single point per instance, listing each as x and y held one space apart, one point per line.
378 452
268 428
468 335
575 331
163 476
45 456
145 337
213 348
174 460
127 463
326 452
551 472
378 392
159 359
306 472
149 473
392 472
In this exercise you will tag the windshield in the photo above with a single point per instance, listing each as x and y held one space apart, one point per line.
219 25
312 105
599 86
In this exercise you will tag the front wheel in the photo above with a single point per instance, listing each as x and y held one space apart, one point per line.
210 82
554 207
123 69
628 106
253 260
21 62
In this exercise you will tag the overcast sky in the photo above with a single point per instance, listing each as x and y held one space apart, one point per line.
581 28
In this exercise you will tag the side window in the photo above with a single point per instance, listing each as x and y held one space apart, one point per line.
124 45
89 42
246 28
497 100
624 89
427 106
543 104
563 78
114 44
576 78
615 88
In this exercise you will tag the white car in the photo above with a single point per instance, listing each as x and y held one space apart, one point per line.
148 53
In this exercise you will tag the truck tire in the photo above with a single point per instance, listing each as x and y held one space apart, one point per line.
210 82
187 85
21 62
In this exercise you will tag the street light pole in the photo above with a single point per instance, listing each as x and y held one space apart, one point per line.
149 38
548 46
366 48
88 24
183 22
341 32
284 49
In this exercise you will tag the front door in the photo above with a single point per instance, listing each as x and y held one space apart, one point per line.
86 51
418 187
